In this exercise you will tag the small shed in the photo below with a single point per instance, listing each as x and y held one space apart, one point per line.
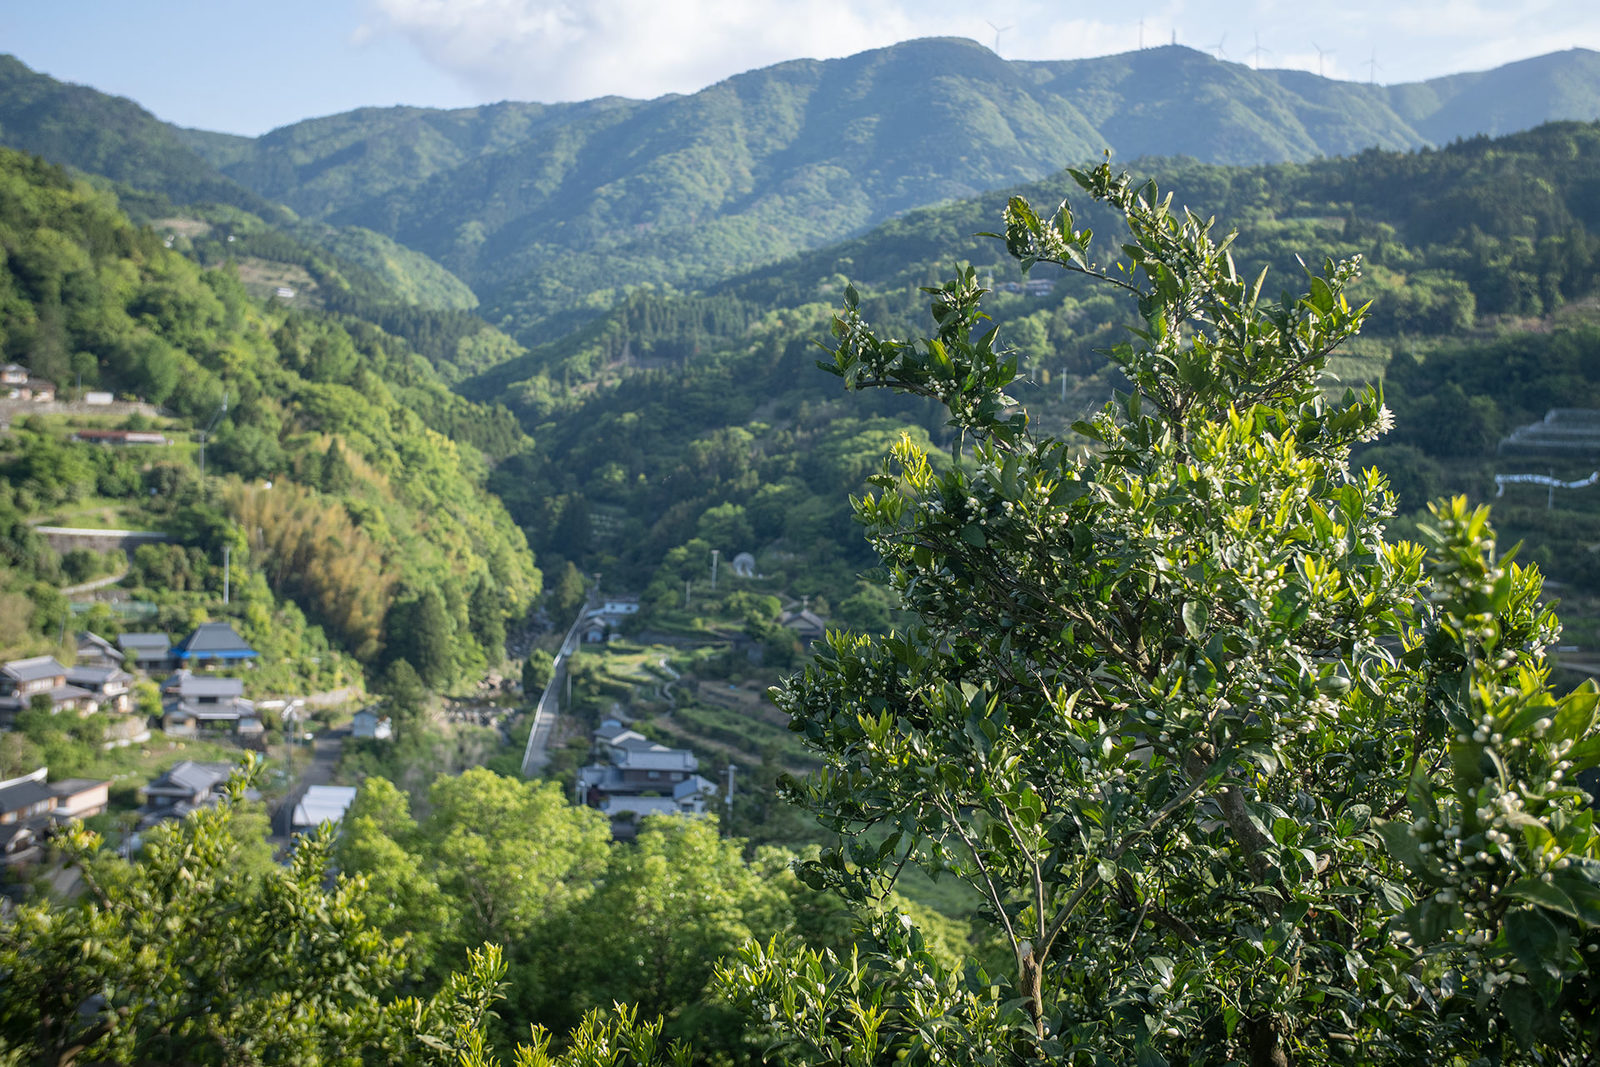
368 723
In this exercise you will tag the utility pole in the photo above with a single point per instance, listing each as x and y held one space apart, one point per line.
205 435
715 552
227 556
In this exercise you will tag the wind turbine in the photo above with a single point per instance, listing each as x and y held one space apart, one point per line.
998 30
1257 51
1373 66
1321 51
1217 48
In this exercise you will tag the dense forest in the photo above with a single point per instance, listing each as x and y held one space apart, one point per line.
342 475
553 213
674 413
1232 774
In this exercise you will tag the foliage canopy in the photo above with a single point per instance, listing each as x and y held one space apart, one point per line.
1239 780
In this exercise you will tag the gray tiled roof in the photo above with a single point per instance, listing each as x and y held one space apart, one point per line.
106 648
149 639
190 778
190 686
214 638
31 670
658 759
145 643
693 784
23 795
96 677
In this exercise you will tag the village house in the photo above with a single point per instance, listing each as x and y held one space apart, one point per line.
320 804
21 680
602 622
193 704
368 723
96 651
121 437
634 777
213 644
17 384
186 788
807 625
30 806
109 688
147 652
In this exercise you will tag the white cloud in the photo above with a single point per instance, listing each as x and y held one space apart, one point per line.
575 49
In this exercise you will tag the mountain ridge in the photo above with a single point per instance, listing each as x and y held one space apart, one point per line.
553 212
543 207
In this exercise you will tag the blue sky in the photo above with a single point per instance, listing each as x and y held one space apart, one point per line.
246 68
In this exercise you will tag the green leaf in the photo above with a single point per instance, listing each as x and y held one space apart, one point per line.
1533 938
1399 843
1545 895
1146 1056
1195 616
1576 715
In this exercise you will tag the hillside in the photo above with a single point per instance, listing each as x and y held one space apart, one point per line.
550 212
543 210
113 137
675 418
340 471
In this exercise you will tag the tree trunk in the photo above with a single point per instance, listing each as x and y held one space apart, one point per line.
1030 979
1266 1042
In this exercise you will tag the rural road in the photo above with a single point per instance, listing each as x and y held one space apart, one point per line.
325 756
535 756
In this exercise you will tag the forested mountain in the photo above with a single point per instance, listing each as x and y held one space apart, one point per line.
680 417
114 138
550 211
541 208
351 480
672 406
110 136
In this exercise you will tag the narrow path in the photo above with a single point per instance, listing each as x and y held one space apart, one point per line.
664 690
93 584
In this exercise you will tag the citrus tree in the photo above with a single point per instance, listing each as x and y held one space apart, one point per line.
1238 779
189 955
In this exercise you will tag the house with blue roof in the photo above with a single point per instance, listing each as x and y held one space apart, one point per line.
213 644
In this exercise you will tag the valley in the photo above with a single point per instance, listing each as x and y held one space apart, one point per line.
615 419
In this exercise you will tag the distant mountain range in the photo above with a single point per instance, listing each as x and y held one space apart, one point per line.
549 211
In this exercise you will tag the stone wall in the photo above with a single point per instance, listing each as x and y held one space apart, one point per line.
64 539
